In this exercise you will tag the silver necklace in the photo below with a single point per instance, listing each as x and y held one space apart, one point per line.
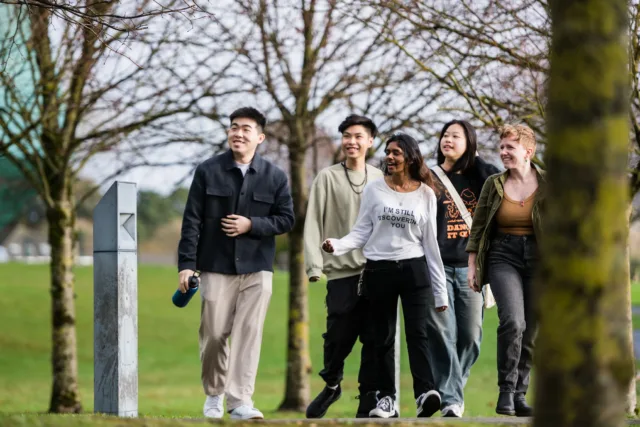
399 194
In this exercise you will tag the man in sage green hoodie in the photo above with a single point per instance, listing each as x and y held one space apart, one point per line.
333 207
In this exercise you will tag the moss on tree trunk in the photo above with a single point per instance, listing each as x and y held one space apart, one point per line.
64 357
297 392
583 360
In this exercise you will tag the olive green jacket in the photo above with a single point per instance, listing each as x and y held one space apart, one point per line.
484 217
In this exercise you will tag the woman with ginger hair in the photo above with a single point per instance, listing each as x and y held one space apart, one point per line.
503 252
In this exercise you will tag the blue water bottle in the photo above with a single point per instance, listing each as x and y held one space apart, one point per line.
181 300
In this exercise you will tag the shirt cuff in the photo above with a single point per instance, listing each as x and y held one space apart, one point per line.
314 272
442 300
187 265
338 248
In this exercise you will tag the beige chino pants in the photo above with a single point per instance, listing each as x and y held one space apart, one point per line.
233 306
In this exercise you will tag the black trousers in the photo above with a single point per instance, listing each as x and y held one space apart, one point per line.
385 282
348 317
512 262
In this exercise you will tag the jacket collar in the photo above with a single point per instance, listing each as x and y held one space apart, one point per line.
229 163
500 179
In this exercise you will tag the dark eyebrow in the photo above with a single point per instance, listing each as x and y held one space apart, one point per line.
239 125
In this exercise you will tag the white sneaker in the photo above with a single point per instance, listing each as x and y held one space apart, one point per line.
386 408
213 406
452 411
246 412
428 404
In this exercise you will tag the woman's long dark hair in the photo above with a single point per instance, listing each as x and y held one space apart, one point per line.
467 161
418 170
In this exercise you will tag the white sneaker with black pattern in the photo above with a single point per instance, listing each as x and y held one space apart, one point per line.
386 408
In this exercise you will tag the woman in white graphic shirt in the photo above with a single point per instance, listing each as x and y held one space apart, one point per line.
396 229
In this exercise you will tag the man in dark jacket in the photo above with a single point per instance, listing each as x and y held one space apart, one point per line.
237 204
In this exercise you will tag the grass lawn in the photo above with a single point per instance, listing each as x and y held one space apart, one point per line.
22 420
635 293
169 367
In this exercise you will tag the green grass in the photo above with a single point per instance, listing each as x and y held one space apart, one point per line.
635 293
31 420
169 367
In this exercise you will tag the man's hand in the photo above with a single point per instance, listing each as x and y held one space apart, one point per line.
235 225
327 247
314 278
183 279
441 309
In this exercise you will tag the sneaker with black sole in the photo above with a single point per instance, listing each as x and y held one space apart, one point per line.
428 404
368 402
385 408
320 405
452 411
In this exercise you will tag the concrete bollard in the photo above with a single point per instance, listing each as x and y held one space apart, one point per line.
115 303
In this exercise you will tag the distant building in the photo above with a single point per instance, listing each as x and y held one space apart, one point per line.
24 232
23 227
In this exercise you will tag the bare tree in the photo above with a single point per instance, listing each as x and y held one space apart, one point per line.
583 345
307 63
81 14
493 58
67 96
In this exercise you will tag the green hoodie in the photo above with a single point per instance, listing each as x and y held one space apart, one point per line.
484 218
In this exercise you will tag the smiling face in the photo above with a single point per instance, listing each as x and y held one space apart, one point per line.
356 140
394 158
453 143
244 136
513 154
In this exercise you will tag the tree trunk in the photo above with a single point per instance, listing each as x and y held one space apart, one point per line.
583 361
296 397
632 400
64 357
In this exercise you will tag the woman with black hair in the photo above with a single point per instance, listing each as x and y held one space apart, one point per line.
396 228
455 335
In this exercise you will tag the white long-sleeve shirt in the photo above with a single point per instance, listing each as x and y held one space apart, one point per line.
395 226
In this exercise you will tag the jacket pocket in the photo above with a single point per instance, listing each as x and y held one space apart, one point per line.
217 203
261 204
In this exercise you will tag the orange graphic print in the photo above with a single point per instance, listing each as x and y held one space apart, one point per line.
456 227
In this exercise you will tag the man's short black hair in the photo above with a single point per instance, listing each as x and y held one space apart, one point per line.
354 120
250 113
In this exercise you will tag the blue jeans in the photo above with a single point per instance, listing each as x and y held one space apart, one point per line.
455 336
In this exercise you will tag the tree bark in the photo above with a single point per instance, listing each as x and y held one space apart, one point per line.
632 398
584 365
297 392
64 356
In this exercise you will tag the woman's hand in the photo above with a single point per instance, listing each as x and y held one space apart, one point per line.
471 280
441 309
327 247
471 273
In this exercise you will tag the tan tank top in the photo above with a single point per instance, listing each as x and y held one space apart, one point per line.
515 217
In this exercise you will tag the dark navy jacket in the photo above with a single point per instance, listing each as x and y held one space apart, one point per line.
218 189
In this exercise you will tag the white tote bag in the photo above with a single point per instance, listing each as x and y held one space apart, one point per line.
489 300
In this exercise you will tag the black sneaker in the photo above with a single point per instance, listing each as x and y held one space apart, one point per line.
428 404
368 402
321 403
386 408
